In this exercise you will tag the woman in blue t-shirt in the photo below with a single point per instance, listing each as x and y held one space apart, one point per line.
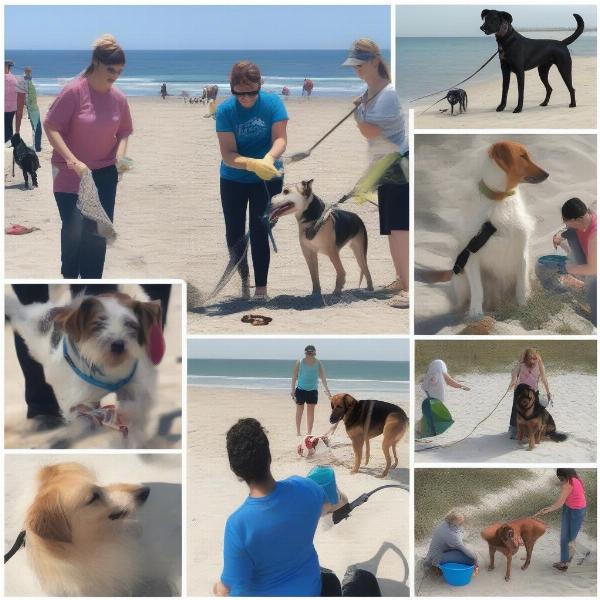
251 127
380 120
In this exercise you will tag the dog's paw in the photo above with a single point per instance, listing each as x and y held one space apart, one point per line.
491 568
572 105
500 107
507 578
518 109
545 103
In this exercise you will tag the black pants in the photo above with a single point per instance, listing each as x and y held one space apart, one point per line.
357 583
82 250
579 258
39 396
235 198
8 125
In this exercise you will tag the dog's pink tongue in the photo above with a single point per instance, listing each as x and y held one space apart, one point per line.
156 344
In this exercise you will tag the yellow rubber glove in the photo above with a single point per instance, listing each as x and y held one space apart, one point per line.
263 167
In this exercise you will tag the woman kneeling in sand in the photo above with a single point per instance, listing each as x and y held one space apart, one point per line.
579 240
252 132
447 544
88 126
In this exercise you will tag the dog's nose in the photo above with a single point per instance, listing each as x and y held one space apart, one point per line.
119 514
142 495
117 347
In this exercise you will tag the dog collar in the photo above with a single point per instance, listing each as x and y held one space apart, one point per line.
492 194
19 543
110 386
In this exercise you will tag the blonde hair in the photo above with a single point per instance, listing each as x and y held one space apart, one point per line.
106 51
367 45
529 352
453 517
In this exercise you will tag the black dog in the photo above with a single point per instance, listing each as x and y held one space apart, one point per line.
26 158
457 96
519 54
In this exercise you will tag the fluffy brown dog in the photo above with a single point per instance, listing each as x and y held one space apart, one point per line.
366 419
507 537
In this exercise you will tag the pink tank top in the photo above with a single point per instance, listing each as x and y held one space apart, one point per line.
531 378
10 92
584 236
576 499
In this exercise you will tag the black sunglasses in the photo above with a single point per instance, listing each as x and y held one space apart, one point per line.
248 94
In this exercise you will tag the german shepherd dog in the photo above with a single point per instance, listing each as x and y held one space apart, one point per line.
26 158
366 419
339 228
533 419
507 537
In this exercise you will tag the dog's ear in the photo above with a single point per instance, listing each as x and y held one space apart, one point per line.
148 314
75 320
307 187
506 16
349 401
47 519
484 12
500 152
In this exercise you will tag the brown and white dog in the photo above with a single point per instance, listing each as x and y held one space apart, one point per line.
89 348
82 539
366 419
340 227
508 537
494 240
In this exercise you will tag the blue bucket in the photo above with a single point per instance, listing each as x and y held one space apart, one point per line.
325 477
548 269
457 574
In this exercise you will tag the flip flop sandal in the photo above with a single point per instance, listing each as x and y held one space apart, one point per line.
256 320
560 567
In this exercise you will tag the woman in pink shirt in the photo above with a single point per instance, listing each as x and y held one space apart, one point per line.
88 126
580 235
529 370
572 501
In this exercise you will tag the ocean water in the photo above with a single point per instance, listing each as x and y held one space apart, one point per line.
351 376
425 65
191 70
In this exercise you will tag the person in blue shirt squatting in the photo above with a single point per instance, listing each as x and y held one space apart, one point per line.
268 549
251 128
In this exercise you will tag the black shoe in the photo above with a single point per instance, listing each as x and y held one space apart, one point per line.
47 422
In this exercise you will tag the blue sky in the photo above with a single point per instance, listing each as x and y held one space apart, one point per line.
463 20
195 27
287 349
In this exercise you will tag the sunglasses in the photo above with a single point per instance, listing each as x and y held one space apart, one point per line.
251 94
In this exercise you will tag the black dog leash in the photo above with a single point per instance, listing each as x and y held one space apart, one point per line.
344 512
19 543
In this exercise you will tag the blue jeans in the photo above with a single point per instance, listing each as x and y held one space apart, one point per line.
579 258
572 520
456 556
82 250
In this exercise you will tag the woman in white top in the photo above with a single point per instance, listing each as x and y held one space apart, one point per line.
380 120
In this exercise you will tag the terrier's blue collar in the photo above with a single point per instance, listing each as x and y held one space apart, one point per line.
90 378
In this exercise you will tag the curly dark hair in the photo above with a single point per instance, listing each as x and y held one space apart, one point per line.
248 451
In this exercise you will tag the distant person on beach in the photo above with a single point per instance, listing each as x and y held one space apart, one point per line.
434 385
163 90
305 387
88 125
33 111
285 91
573 503
380 120
268 548
447 543
529 370
14 101
252 130
307 87
579 240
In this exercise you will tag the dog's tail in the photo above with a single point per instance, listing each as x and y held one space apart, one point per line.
576 33
555 436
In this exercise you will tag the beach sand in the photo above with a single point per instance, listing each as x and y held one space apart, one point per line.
540 579
574 412
160 516
165 421
446 175
483 97
170 224
375 537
